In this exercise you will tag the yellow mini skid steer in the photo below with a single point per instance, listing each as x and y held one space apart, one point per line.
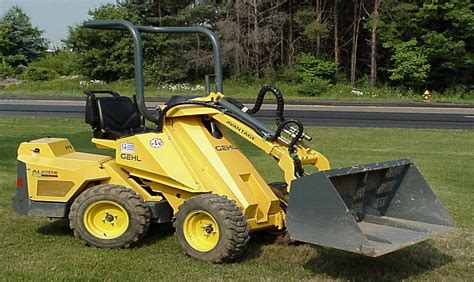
186 169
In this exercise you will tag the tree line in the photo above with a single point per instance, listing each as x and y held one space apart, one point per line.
415 44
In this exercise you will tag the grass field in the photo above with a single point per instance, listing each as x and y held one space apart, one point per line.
37 249
341 91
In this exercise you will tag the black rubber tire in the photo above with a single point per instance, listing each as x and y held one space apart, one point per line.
233 229
280 237
137 210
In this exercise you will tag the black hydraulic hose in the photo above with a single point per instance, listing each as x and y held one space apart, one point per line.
235 102
259 101
299 171
279 99
280 121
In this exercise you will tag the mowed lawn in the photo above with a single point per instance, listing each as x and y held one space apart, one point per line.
38 249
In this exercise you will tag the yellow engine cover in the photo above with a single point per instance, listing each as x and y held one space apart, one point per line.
55 171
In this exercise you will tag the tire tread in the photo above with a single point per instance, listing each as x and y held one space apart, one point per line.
235 228
141 209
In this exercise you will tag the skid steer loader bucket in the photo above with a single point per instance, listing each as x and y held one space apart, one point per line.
370 209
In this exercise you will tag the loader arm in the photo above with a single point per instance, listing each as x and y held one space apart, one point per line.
288 153
277 148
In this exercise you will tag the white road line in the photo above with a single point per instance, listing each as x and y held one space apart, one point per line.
469 116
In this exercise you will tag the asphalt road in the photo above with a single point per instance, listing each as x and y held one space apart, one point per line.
322 115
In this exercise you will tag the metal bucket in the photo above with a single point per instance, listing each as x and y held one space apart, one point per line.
370 209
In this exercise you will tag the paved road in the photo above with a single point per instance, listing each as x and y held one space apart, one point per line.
324 115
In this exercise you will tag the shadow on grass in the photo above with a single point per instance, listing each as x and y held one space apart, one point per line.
58 227
155 233
260 239
253 249
158 232
399 265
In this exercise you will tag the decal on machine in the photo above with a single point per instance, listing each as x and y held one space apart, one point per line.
241 130
157 142
44 173
229 147
130 157
127 147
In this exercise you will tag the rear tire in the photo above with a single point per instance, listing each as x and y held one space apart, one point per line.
109 216
211 228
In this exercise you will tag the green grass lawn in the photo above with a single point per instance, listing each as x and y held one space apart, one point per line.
38 249
233 88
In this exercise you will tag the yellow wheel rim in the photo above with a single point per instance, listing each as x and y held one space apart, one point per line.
201 231
106 219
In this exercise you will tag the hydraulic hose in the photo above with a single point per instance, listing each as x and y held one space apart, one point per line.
282 124
299 171
279 99
259 101
236 103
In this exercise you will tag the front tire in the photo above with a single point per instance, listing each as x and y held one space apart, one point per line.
211 228
109 216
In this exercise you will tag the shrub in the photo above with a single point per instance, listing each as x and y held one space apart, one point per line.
313 88
61 62
308 67
37 74
6 71
282 75
410 64
459 91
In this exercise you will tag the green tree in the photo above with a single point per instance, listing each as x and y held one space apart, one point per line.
309 67
20 42
108 55
60 61
411 42
6 69
446 31
410 65
444 36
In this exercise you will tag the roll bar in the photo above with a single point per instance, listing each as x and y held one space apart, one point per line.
138 53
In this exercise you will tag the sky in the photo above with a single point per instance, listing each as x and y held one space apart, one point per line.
54 16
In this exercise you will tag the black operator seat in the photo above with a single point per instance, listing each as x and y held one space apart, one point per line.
112 117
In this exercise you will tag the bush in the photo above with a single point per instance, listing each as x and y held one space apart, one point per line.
6 71
308 67
275 75
313 88
61 62
37 74
459 91
410 64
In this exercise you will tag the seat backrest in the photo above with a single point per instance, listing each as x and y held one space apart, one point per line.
112 117
118 113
